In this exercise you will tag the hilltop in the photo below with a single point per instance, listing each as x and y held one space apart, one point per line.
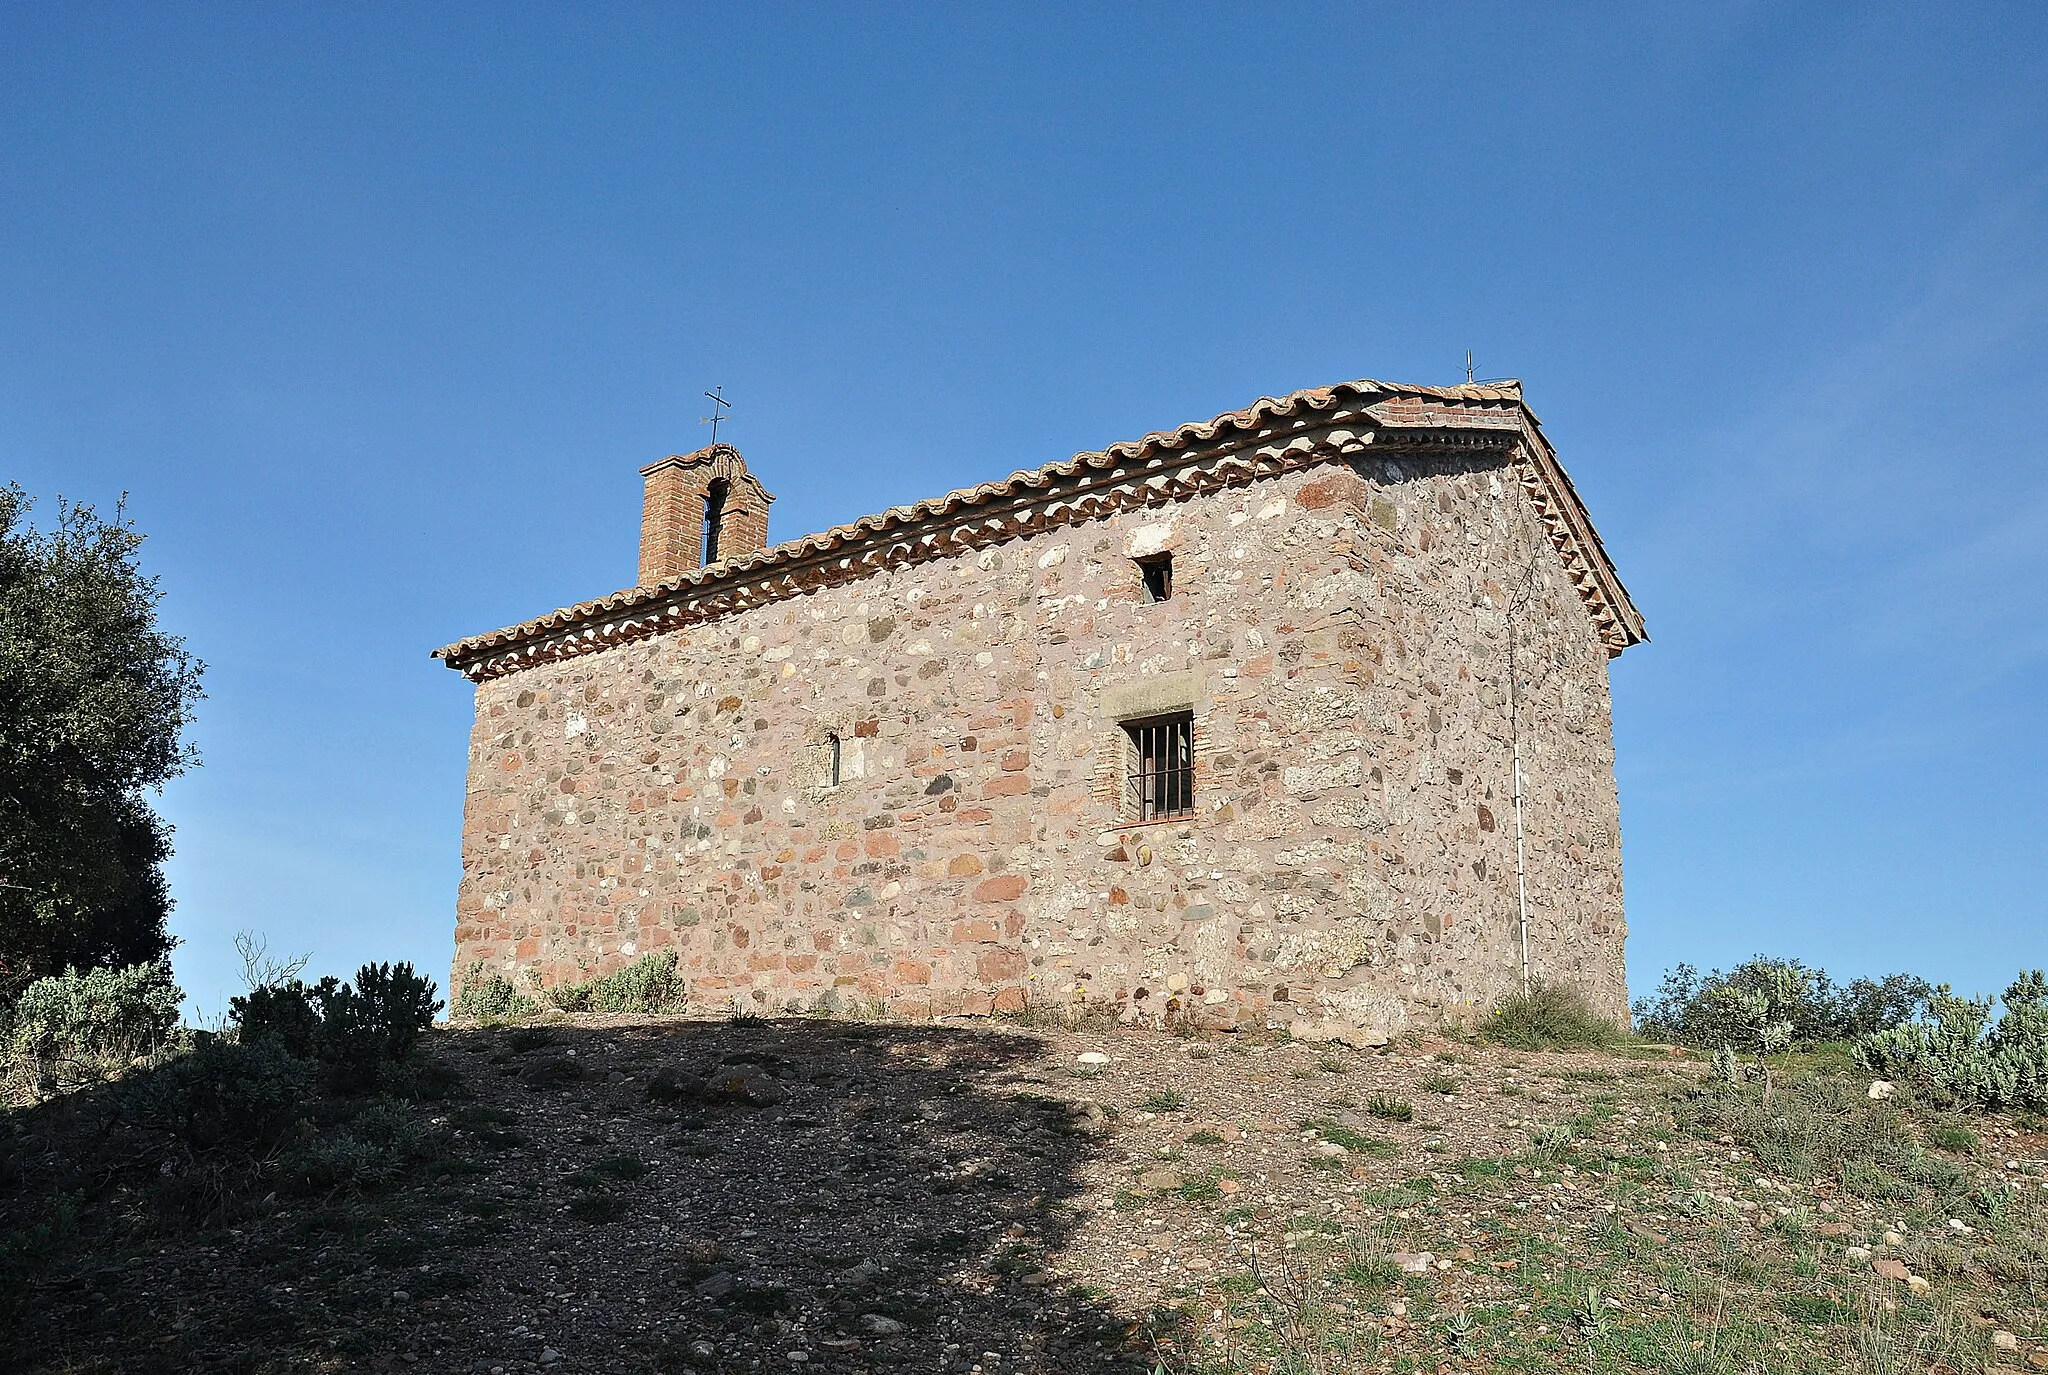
670 1194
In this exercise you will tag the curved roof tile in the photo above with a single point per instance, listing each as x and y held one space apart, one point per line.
952 503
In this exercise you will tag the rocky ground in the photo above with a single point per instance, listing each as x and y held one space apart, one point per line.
690 1195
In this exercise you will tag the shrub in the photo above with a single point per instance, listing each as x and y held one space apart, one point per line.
224 1094
649 984
366 1151
1771 1005
1549 1017
1960 1054
356 1030
383 1016
1392 1109
74 1026
281 1014
486 994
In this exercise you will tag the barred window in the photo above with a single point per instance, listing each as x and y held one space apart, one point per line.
1159 778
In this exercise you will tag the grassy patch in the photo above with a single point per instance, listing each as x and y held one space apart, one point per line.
1961 1140
1549 1017
626 1167
1356 1142
1391 1109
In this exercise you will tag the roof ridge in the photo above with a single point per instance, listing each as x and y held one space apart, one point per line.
822 542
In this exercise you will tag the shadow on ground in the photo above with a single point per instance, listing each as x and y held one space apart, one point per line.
676 1196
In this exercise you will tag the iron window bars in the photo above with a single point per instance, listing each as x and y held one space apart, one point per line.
1160 779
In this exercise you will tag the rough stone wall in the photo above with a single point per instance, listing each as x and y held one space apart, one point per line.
1342 636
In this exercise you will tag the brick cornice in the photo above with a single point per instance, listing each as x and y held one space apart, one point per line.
1272 437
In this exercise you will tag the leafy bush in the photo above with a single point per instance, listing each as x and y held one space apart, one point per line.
383 1016
356 1030
257 1108
75 1026
282 1014
252 1097
1770 1005
366 1151
649 984
1549 1017
1960 1054
486 994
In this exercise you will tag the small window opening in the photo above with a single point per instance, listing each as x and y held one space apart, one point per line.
714 516
832 760
1157 572
1159 780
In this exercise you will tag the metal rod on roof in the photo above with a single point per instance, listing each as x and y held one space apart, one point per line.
719 406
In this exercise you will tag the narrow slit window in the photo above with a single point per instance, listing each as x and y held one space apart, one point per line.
1160 780
1157 575
714 516
832 760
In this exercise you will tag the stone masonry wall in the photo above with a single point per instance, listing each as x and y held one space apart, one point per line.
1341 634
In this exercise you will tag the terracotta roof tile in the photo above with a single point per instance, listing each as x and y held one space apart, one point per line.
1505 394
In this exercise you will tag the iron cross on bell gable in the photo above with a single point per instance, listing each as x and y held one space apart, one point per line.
719 406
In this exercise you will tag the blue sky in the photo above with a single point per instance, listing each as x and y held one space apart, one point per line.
374 311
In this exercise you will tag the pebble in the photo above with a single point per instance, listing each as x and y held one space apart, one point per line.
881 1325
1091 1057
550 1356
2005 1341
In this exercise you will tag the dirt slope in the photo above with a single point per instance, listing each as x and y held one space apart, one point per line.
613 1195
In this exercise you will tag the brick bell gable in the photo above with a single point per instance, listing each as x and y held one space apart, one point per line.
692 501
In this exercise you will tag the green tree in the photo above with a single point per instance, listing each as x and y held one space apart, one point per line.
94 700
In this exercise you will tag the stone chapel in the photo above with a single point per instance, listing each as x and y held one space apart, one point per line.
1218 723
